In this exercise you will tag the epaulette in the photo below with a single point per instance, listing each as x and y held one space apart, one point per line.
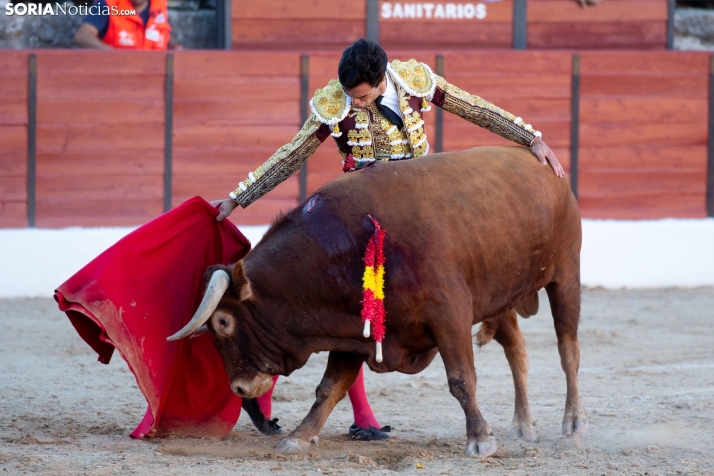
330 105
416 78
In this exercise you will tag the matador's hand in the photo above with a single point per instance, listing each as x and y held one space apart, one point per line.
225 206
545 155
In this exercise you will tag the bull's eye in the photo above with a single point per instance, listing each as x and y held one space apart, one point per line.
223 321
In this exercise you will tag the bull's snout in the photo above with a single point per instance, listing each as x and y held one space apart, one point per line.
252 388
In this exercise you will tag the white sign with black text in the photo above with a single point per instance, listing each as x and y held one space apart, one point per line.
446 11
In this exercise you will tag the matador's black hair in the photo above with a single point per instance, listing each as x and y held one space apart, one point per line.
362 62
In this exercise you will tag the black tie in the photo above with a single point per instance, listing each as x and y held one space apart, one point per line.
391 116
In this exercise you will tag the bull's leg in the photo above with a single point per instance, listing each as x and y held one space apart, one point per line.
341 371
456 349
565 305
461 376
510 337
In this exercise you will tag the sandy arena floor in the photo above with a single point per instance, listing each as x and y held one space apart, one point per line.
647 379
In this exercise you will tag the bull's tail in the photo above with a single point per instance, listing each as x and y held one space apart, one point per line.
526 308
488 329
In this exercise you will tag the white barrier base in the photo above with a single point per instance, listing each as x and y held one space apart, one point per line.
648 253
615 254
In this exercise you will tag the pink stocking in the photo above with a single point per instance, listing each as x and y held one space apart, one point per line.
265 402
360 405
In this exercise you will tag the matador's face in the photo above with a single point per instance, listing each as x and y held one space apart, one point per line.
364 94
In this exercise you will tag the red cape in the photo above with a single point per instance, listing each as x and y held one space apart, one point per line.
145 288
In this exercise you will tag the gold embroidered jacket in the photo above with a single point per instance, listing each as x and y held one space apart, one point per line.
364 135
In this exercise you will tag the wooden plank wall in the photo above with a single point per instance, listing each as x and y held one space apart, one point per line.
232 111
13 139
443 24
612 24
100 141
297 24
643 134
446 25
100 129
532 85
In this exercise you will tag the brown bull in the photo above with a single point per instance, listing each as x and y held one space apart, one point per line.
471 238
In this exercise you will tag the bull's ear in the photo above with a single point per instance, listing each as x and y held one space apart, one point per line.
212 269
241 283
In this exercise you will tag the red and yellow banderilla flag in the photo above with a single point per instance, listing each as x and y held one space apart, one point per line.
373 313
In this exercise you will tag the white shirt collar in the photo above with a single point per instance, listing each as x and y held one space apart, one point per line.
391 89
390 98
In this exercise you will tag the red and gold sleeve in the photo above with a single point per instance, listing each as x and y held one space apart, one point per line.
482 113
282 164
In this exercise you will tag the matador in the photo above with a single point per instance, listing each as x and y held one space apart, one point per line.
387 126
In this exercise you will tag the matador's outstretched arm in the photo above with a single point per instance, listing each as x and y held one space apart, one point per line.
482 113
282 164
288 159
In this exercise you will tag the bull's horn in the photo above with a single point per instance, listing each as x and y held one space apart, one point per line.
217 287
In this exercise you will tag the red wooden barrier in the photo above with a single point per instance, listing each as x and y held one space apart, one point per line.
444 24
100 118
232 111
643 134
634 24
100 127
532 85
13 139
297 24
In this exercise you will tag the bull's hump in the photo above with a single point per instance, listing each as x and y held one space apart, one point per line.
427 177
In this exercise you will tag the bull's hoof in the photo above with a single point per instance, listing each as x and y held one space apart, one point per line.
484 448
265 426
575 426
272 428
524 430
371 434
296 446
575 419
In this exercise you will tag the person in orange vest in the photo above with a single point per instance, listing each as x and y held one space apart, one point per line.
126 24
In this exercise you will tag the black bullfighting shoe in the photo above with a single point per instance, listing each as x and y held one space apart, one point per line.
265 426
371 434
